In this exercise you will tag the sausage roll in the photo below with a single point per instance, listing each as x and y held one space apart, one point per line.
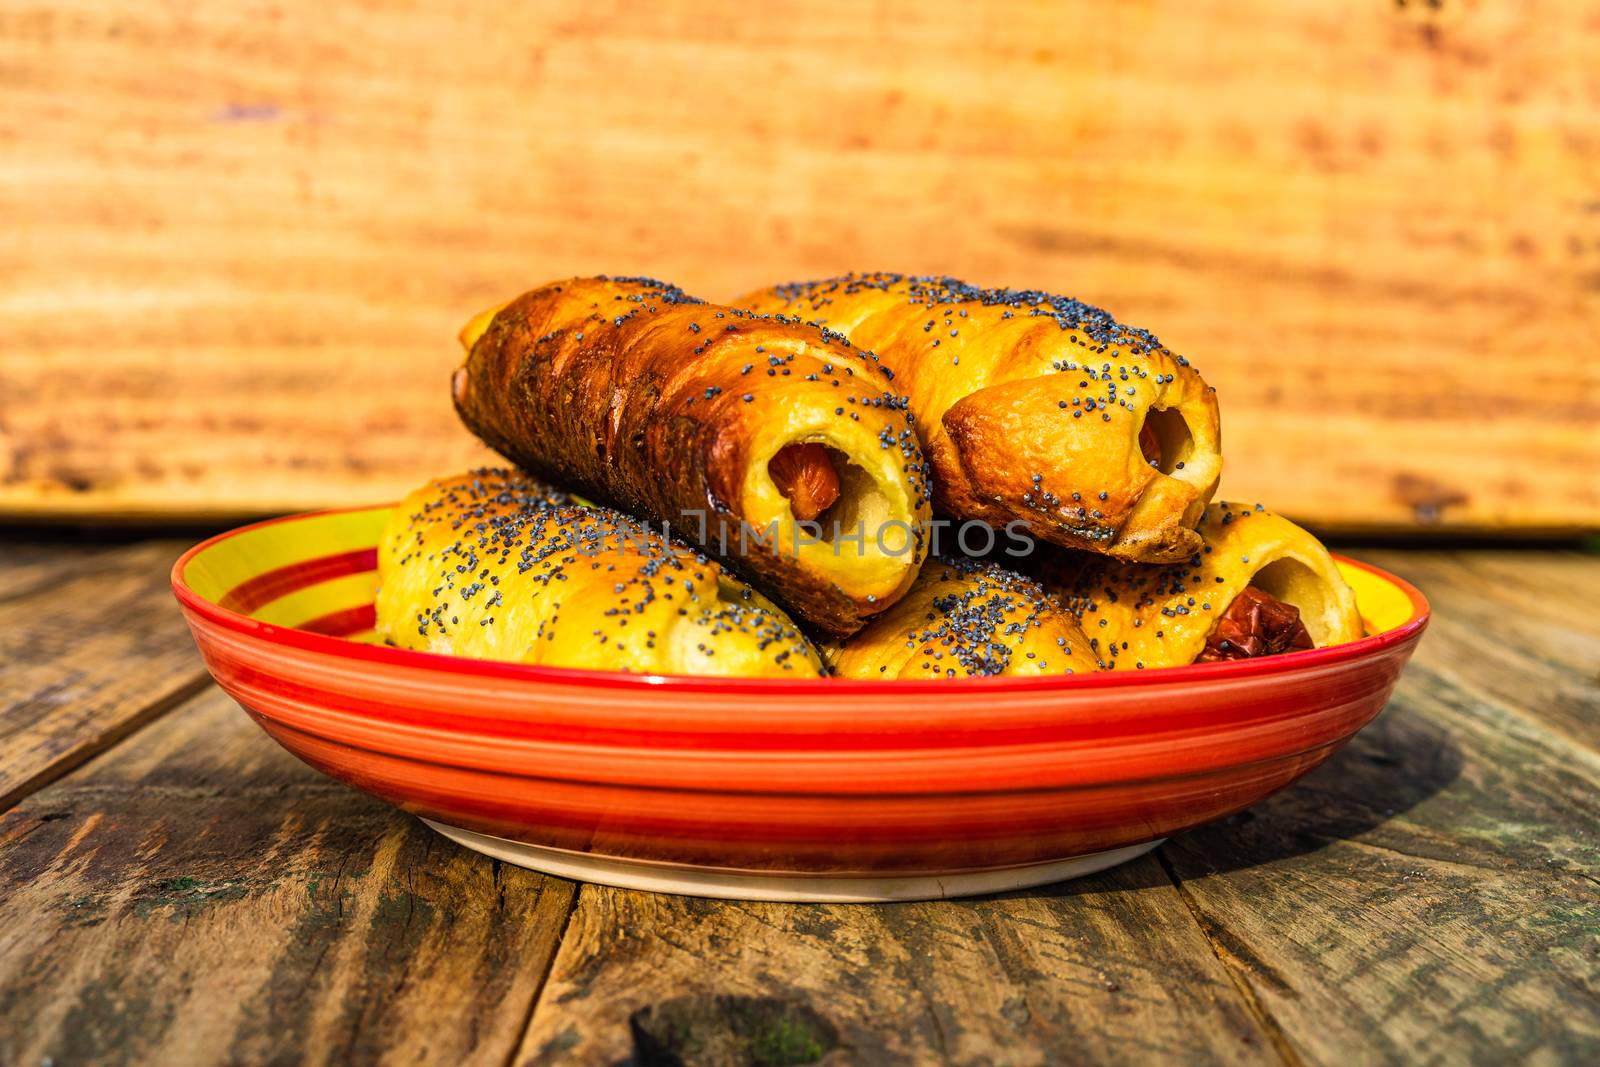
1036 407
777 446
965 618
494 565
1258 586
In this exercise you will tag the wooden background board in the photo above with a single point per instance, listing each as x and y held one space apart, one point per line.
236 239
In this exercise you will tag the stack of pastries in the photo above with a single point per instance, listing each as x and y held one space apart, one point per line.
875 476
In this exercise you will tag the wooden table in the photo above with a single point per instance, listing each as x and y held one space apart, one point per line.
176 889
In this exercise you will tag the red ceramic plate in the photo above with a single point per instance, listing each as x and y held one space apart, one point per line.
796 790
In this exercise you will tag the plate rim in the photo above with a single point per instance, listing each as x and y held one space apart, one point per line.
433 662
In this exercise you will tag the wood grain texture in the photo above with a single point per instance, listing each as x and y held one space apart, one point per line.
198 896
91 648
1427 896
240 236
1108 969
29 563
1432 894
1514 628
195 896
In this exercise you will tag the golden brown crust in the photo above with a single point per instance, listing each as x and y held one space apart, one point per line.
1140 616
1031 407
640 397
492 564
965 618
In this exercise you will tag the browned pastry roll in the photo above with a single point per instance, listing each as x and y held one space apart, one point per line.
966 618
1036 407
494 565
1259 585
778 447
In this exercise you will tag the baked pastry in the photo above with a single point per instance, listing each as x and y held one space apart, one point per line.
965 618
1258 586
778 447
1035 407
494 565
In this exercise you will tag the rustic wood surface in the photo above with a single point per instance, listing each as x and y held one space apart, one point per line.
193 895
91 650
196 896
239 237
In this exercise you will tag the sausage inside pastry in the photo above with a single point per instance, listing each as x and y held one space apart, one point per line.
1036 407
1258 586
965 618
495 565
778 447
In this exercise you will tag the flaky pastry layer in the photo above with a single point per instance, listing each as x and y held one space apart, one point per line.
1140 616
492 564
1035 407
673 410
965 618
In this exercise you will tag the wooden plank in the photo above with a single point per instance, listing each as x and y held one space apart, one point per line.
239 238
1109 969
1429 895
1514 627
30 560
91 647
195 895
198 896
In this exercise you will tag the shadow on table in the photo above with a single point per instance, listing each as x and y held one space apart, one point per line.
1391 766
1396 763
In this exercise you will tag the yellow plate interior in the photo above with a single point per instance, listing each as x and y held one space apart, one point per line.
273 546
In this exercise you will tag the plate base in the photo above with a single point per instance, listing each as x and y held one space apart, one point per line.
798 888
